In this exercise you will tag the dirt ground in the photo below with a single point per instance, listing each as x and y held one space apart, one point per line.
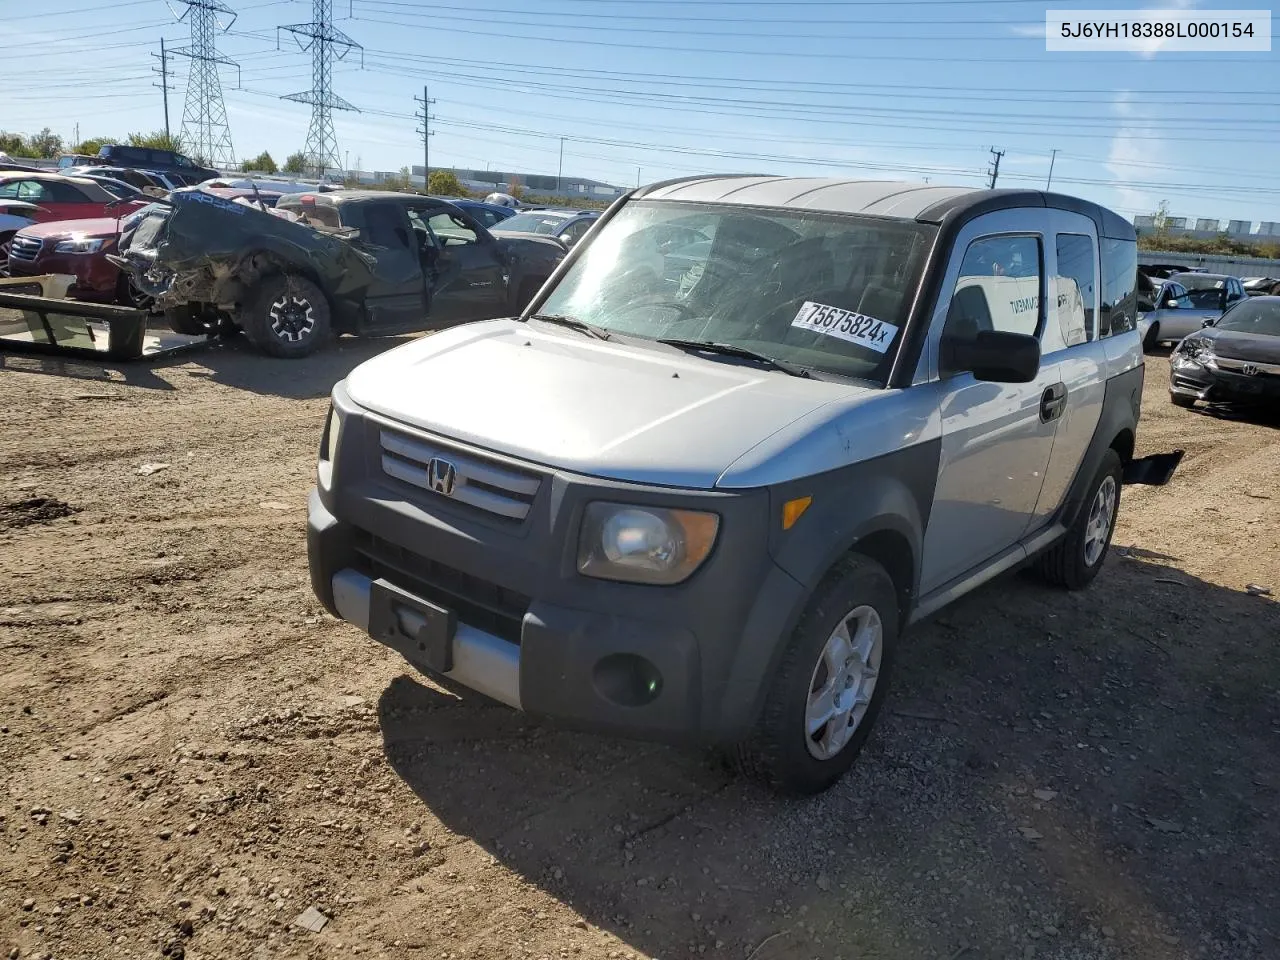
193 753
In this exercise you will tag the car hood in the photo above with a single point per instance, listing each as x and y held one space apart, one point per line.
530 244
599 408
58 229
1243 346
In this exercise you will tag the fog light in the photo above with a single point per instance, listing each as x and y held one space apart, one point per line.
627 680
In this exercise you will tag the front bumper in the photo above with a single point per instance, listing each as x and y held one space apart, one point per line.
1214 384
97 279
685 663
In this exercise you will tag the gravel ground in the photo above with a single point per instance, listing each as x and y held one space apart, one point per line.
194 754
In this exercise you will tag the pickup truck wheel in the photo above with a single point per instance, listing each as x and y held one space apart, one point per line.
287 316
1075 560
829 687
186 320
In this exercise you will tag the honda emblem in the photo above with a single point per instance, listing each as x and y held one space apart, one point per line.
441 476
1249 370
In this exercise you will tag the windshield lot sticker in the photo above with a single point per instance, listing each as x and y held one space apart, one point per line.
846 325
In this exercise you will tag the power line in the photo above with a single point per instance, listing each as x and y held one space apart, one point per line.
795 53
326 43
205 131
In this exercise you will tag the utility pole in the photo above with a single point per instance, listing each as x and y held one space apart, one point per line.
427 134
1051 159
326 43
163 70
994 170
205 133
560 171
637 178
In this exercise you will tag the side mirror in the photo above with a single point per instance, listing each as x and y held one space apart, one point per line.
1171 303
1208 322
994 355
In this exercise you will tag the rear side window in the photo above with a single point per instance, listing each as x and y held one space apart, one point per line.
1075 285
1119 287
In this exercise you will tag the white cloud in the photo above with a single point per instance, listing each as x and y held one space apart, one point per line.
1133 141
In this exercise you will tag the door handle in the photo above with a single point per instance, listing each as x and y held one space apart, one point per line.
1052 402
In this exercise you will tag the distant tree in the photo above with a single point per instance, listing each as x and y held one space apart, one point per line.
46 144
445 183
91 146
515 188
295 163
1160 219
14 144
156 140
262 163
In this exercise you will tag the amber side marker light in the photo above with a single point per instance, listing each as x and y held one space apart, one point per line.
793 510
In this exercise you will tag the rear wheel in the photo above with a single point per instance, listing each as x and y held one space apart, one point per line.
287 316
1075 559
187 319
830 685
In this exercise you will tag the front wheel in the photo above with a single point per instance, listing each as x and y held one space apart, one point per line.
830 684
286 316
1075 559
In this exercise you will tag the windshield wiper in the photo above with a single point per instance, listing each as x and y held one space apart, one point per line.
730 350
573 323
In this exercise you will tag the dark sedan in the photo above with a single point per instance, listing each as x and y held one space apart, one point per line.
1234 358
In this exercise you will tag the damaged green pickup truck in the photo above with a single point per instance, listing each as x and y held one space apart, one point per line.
359 262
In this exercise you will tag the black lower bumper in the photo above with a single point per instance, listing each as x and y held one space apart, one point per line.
1203 383
635 669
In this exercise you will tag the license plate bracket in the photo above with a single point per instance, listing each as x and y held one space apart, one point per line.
419 629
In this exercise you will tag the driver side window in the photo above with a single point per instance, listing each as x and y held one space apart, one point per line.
998 289
451 230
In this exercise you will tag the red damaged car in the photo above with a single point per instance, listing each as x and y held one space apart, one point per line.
80 248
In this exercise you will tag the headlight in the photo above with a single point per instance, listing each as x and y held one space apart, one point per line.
80 245
1197 350
331 435
644 544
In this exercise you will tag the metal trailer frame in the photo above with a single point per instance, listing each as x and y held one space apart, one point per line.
52 325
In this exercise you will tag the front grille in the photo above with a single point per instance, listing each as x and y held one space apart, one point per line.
479 482
25 248
477 602
1256 367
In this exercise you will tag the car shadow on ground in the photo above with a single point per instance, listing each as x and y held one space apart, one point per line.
1261 414
232 361
1056 775
236 363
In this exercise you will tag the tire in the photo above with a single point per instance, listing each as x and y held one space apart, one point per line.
286 316
1152 340
186 320
1075 560
781 752
1178 400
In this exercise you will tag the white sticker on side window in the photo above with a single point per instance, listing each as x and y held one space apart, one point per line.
847 325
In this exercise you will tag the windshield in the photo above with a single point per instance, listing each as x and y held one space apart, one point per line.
822 291
1203 291
1253 316
546 223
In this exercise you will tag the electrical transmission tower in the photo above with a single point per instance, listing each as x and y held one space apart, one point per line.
205 133
326 43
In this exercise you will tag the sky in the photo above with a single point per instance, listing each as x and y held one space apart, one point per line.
643 90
